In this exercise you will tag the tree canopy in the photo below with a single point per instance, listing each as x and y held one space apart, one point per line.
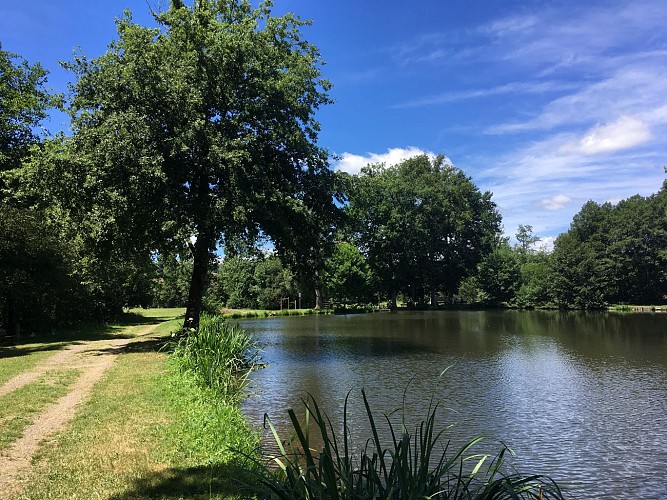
24 102
422 225
202 128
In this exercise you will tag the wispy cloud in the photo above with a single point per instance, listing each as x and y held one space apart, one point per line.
536 87
638 91
556 202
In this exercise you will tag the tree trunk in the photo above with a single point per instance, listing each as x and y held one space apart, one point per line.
392 301
319 300
201 254
434 298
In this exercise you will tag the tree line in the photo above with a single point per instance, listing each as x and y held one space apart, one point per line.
197 138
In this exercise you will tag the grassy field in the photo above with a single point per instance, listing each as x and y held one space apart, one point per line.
146 431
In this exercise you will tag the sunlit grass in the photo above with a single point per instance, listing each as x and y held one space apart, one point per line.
146 432
20 359
18 407
218 356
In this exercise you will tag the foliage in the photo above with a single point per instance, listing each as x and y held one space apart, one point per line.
415 465
499 275
526 238
203 126
172 280
535 288
38 290
422 225
251 282
347 276
24 102
613 254
218 356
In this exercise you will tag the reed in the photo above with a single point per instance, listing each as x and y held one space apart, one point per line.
412 465
218 355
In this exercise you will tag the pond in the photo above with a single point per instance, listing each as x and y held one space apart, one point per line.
580 396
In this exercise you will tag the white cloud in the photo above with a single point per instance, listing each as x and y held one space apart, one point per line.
555 202
352 163
624 133
545 244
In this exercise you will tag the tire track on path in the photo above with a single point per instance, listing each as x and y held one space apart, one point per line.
93 358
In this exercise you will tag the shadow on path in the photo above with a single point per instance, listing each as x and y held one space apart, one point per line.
83 333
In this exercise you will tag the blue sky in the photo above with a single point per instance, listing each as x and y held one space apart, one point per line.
546 103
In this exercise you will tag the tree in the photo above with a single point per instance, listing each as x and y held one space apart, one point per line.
202 128
422 225
526 238
581 268
613 254
536 281
170 286
499 275
347 276
23 105
38 289
251 280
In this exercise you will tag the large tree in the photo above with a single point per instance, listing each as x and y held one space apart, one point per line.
24 101
422 225
199 129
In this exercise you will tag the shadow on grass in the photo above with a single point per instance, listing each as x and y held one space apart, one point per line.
27 344
216 481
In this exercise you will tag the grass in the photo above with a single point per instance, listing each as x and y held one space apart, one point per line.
147 431
413 465
269 313
636 308
18 407
217 356
16 360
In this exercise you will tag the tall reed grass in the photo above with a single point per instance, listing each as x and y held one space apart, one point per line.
420 465
218 355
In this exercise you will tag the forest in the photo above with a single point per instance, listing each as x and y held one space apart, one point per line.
191 176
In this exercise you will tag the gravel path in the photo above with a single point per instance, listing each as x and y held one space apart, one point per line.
92 358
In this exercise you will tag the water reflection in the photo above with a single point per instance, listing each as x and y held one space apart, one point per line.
581 396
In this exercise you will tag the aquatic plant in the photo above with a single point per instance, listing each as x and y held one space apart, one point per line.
218 354
413 465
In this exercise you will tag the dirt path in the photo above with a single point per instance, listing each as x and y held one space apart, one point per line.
92 358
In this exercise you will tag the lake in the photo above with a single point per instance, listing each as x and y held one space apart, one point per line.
580 396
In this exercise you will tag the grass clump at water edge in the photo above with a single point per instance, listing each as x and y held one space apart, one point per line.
218 355
412 466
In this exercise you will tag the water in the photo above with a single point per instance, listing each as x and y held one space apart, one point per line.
581 397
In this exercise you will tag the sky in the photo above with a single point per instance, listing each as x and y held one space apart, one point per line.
547 104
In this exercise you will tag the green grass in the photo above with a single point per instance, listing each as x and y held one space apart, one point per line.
269 313
217 356
18 407
147 431
637 308
16 360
